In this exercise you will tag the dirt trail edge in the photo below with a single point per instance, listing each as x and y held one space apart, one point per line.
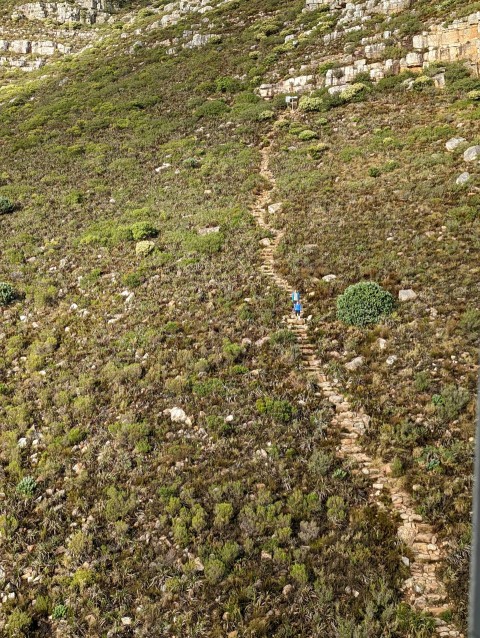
423 589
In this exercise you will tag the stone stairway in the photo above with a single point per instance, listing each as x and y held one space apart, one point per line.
423 589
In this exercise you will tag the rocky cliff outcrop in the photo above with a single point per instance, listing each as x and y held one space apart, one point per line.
79 11
457 41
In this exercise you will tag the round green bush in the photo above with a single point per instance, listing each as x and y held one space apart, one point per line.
6 205
143 230
364 303
7 294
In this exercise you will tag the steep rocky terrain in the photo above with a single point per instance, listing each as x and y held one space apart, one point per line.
177 456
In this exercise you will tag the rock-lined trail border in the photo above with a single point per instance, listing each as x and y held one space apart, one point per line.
423 589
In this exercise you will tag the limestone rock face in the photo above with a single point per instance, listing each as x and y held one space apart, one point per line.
83 11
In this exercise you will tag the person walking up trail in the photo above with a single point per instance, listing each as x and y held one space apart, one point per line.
297 309
295 296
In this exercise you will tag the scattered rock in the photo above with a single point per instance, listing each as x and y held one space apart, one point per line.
407 295
163 167
229 418
126 620
144 248
463 178
453 142
382 343
391 360
405 561
355 364
287 590
265 556
472 154
177 415
275 208
208 230
265 242
329 278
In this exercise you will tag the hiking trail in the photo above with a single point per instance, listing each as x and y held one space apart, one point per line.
423 590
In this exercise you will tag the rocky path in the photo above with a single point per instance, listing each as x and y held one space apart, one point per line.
423 589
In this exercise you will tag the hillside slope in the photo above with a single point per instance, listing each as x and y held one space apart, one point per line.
169 465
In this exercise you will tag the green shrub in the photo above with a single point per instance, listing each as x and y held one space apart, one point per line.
143 230
223 514
353 92
280 411
18 623
298 572
27 486
470 322
192 162
214 570
364 303
307 135
227 85
317 150
422 82
472 95
7 294
211 108
268 114
336 511
59 612
6 205
310 104
451 402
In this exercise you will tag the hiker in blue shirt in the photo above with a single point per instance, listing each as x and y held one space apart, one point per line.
297 309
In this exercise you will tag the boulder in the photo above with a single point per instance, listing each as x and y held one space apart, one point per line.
275 208
354 364
453 142
329 278
472 154
208 230
144 248
177 415
407 295
463 178
382 343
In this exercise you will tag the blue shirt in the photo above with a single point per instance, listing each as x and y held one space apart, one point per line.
297 307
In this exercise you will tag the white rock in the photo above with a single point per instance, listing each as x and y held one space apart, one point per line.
405 561
275 208
177 415
208 230
354 364
472 154
265 242
229 418
391 360
463 178
453 142
407 295
163 167
329 278
126 620
22 442
382 343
